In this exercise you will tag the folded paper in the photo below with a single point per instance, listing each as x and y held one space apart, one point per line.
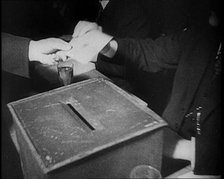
85 48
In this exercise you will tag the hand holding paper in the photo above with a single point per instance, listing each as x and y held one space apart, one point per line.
84 27
44 50
85 48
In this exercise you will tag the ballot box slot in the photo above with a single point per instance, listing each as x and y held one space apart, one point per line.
79 118
70 131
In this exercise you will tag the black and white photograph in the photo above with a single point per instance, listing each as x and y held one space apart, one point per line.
111 89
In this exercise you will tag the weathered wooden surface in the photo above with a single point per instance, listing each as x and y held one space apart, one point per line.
104 116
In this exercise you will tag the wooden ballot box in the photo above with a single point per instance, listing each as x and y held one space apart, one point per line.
90 129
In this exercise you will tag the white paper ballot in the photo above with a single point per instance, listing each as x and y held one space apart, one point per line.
85 48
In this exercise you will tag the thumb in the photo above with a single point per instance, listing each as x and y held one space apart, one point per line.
62 54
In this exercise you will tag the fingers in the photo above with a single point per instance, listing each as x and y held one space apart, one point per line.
78 55
58 44
63 55
44 50
72 42
78 28
83 27
62 47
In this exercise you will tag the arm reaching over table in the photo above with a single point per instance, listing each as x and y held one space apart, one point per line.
17 52
83 27
86 48
44 50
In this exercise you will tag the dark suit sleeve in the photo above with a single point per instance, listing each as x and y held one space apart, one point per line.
15 54
209 146
150 55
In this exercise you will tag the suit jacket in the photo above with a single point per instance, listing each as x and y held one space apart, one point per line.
15 54
191 53
135 19
130 18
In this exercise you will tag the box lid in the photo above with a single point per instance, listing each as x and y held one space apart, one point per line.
72 122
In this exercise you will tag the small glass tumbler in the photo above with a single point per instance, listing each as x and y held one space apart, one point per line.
145 171
65 72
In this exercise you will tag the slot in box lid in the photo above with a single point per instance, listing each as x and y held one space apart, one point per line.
72 122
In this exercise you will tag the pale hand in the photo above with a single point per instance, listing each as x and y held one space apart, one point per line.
45 50
83 27
85 48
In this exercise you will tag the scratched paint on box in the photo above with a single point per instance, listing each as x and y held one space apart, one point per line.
59 135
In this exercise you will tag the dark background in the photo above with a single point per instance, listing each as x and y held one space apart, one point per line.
39 18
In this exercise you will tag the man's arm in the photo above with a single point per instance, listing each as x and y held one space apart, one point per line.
15 54
18 51
144 54
147 54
